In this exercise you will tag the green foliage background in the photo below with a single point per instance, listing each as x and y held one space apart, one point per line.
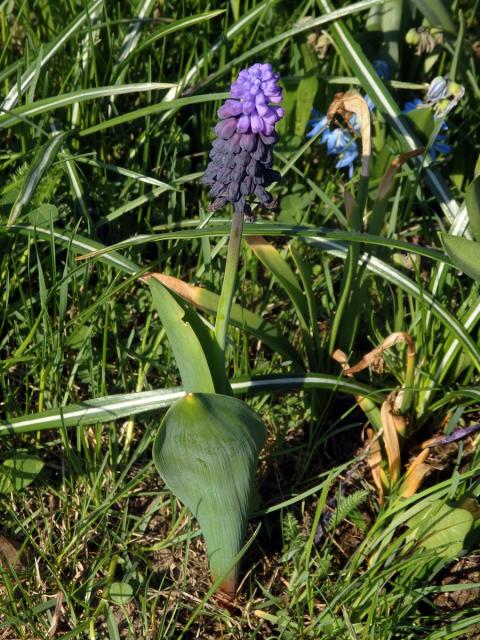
106 120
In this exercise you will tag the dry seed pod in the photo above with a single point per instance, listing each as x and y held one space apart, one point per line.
206 450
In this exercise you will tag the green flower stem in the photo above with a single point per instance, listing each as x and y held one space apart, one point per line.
344 327
229 281
408 386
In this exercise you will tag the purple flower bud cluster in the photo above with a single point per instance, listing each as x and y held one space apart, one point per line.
241 156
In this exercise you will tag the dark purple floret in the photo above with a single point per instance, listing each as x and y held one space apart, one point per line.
241 156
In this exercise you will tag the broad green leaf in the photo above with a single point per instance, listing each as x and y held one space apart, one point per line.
436 13
239 317
472 201
108 408
277 264
179 323
464 253
120 592
206 450
441 528
19 471
388 19
306 91
43 216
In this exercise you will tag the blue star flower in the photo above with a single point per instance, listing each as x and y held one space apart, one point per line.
318 123
339 143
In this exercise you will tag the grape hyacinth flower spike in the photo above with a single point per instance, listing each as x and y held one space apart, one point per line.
241 157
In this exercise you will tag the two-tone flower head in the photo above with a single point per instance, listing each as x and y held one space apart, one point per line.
440 144
442 96
241 157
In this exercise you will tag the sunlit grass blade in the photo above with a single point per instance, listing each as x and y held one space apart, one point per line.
110 408
124 171
393 275
373 264
278 230
46 105
40 165
331 16
78 244
129 50
133 35
47 53
232 32
151 110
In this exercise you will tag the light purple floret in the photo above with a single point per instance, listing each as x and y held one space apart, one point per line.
251 98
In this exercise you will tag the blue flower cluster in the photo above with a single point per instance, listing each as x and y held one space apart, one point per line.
441 96
339 142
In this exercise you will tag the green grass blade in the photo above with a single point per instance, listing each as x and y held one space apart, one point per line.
373 264
151 110
133 35
15 116
47 53
164 31
76 243
119 406
40 165
276 230
385 270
